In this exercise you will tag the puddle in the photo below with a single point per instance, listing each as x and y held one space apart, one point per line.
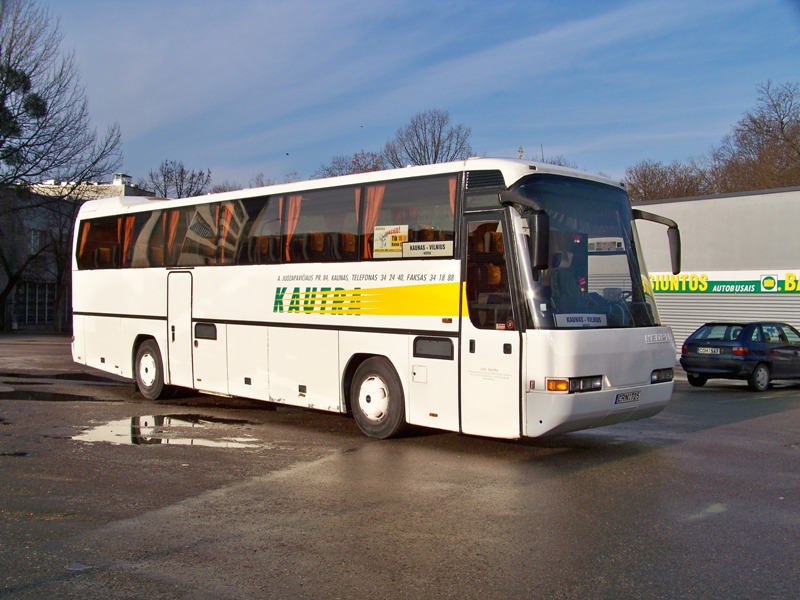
177 430
45 396
87 377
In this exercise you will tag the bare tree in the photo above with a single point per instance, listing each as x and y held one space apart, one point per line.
45 131
225 186
258 180
560 161
428 138
174 180
651 180
360 162
763 149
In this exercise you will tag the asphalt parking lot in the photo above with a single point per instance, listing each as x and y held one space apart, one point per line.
106 494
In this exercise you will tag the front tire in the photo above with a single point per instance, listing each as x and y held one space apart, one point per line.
759 378
376 399
149 371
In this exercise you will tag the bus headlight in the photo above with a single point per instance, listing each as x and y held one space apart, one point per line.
574 385
662 375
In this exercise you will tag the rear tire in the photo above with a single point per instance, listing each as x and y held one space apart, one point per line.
759 378
149 371
376 399
696 380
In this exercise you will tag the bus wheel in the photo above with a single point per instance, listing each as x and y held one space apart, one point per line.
376 399
150 370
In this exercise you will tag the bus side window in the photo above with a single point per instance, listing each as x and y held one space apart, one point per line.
98 244
231 221
260 239
425 208
248 212
488 294
322 226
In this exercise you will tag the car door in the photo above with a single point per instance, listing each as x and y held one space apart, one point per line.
778 351
792 338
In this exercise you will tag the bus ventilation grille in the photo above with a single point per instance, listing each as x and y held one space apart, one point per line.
485 179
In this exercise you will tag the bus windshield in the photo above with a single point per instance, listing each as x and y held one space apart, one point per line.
596 276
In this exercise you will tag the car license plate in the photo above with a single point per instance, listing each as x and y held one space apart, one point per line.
709 350
627 397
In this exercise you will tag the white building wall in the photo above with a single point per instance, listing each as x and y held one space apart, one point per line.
734 246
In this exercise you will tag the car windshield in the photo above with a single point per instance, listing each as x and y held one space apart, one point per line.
718 332
596 276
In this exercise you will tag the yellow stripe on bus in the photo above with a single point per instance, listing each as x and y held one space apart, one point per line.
433 299
428 300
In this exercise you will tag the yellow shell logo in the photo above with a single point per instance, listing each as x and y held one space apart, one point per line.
769 283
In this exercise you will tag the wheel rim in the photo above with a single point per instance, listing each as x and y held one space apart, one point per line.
147 370
762 377
373 398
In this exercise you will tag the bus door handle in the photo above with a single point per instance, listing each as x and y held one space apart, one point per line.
173 333
472 346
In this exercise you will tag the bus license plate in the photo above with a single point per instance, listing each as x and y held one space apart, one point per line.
627 397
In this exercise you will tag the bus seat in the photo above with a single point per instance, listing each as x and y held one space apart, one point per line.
496 241
262 248
297 249
106 258
320 247
345 245
425 233
315 242
478 239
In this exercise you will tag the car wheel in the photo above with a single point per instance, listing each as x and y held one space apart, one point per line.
696 380
759 378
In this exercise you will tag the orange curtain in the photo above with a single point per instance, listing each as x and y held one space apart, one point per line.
371 212
84 236
174 219
452 181
127 239
292 216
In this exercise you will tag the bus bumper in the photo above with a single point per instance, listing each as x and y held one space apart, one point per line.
554 413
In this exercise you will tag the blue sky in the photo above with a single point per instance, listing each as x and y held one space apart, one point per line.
245 87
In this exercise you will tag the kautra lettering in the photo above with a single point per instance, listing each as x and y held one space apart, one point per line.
316 300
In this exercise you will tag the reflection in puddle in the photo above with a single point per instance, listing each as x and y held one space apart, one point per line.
186 430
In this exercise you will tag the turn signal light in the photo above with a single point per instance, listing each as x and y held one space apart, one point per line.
575 384
558 385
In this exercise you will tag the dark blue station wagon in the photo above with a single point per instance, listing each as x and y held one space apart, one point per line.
758 352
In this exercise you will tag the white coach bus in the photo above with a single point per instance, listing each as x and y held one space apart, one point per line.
491 297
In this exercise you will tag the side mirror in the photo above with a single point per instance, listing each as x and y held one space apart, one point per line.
540 244
540 236
673 234
674 237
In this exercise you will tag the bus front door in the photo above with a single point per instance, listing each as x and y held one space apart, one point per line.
179 328
490 339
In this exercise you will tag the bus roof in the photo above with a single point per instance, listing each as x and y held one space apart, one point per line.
512 170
